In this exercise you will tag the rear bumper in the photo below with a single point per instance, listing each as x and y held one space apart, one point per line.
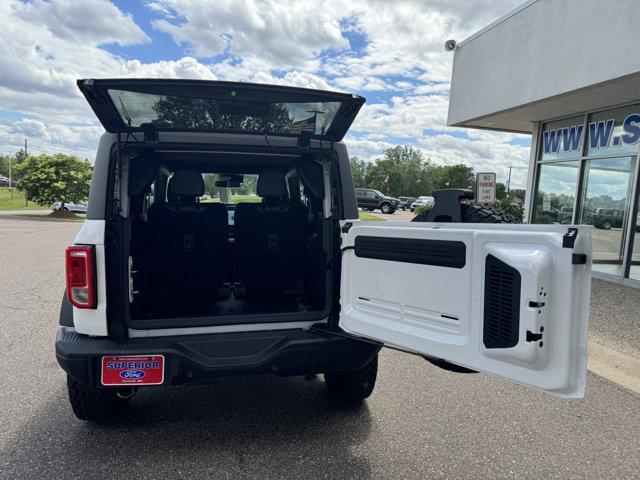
199 358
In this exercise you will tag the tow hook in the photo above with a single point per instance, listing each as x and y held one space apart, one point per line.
125 393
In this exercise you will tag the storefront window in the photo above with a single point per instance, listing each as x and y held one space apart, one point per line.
614 131
555 196
605 205
634 270
563 139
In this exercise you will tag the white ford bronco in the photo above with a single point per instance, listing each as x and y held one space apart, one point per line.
175 278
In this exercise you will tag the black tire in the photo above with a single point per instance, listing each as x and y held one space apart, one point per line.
92 404
472 213
386 208
353 386
606 225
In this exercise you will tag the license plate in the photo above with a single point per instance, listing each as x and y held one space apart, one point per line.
133 370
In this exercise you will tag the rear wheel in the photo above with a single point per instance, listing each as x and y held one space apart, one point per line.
353 386
96 405
386 208
606 225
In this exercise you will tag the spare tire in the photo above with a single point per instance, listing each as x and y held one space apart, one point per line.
472 213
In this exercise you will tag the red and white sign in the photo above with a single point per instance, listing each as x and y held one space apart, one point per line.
486 187
133 370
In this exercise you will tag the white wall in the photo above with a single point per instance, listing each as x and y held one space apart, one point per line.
546 49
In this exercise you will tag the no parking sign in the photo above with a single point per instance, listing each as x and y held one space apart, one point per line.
486 187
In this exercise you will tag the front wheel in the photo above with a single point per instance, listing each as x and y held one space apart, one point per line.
353 386
96 405
386 208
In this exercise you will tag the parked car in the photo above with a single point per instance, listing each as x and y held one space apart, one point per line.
370 200
405 202
565 215
607 218
420 201
70 207
166 292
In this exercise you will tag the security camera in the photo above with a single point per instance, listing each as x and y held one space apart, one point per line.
450 45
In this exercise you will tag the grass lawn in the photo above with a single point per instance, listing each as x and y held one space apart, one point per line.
367 217
46 217
16 201
238 199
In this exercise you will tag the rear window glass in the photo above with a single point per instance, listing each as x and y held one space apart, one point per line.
207 114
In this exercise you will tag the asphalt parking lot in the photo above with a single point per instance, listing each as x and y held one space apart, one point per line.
421 422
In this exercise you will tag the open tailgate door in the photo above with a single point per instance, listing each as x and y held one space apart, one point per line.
509 300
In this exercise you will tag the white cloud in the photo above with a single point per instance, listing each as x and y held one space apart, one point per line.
405 117
269 31
399 61
44 137
488 155
96 22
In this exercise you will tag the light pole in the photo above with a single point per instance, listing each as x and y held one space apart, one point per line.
10 161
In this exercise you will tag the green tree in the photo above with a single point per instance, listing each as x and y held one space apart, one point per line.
46 179
402 170
454 176
20 156
517 192
210 184
16 160
359 171
4 165
501 190
204 114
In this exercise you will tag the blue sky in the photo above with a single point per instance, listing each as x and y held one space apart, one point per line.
389 52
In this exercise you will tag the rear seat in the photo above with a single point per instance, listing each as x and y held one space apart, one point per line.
271 238
189 245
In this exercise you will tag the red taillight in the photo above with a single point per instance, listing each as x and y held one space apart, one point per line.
80 282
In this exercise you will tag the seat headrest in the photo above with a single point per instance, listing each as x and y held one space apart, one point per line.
271 184
186 182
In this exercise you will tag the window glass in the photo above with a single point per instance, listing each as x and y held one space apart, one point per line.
245 192
371 195
208 114
563 139
555 195
614 131
634 271
605 205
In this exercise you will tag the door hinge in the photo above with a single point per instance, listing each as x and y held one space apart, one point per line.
346 227
569 238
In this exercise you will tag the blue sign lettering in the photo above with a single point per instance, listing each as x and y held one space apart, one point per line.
551 141
600 133
631 127
571 138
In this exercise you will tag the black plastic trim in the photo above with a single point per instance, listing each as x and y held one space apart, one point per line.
578 259
66 311
200 358
569 238
440 253
501 322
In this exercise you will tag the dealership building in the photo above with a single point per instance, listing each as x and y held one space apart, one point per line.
568 73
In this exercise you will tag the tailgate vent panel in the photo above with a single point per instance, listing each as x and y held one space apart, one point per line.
501 304
440 253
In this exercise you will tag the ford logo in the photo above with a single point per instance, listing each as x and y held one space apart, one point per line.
132 374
